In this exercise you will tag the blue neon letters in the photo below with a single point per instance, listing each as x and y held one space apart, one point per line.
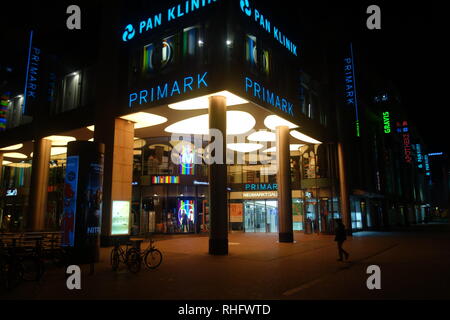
261 186
349 82
263 94
169 89
173 13
266 25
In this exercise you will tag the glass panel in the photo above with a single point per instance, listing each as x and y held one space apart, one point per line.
272 215
249 216
260 216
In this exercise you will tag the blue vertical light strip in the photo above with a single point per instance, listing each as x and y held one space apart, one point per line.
26 76
354 86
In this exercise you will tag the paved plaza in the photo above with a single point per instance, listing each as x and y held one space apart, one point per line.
414 264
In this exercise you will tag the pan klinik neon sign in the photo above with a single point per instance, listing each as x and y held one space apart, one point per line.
264 23
154 21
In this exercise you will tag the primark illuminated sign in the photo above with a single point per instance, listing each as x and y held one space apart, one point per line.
169 89
173 13
258 91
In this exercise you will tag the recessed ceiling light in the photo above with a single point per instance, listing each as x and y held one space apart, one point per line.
203 102
13 147
238 122
58 150
139 143
15 155
303 137
244 147
91 128
273 121
19 165
262 136
144 119
60 140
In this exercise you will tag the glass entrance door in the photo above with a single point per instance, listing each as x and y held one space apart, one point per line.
261 216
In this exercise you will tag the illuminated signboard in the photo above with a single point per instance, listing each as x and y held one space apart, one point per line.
387 122
403 129
187 166
165 180
156 20
263 94
265 24
186 214
419 156
426 161
11 193
260 195
435 154
31 79
168 89
260 186
70 201
120 222
350 86
4 101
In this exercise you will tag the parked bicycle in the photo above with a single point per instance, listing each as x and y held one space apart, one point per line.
151 256
16 266
130 257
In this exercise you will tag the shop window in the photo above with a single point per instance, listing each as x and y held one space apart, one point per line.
158 56
191 41
71 91
251 53
14 112
258 59
265 62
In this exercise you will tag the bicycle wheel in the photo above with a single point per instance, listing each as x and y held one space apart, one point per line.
153 259
133 260
115 259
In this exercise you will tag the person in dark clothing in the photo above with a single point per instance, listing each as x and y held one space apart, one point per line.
341 236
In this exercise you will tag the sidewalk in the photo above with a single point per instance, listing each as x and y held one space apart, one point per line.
257 267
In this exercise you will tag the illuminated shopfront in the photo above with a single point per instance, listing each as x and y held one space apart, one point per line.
166 75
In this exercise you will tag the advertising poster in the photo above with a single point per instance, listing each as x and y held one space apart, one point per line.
186 214
70 201
120 218
94 195
236 210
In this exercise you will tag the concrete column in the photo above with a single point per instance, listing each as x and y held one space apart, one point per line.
217 173
285 224
343 190
118 137
39 185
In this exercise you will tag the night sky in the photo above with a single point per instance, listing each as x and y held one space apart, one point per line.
404 50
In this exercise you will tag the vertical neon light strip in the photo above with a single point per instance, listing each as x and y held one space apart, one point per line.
354 86
26 76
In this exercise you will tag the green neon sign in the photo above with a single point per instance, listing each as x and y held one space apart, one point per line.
387 122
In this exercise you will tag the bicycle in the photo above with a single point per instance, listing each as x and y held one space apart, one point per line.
130 257
151 256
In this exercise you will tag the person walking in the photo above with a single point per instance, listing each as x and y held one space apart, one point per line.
341 236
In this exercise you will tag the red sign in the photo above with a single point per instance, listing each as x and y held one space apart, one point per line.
403 129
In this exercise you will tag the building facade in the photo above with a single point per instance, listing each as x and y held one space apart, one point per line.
302 147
